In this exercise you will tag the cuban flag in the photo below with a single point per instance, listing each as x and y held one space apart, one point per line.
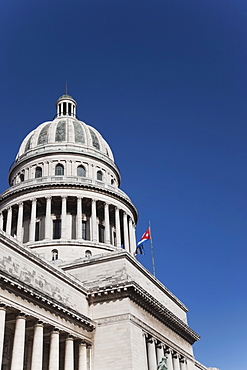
146 236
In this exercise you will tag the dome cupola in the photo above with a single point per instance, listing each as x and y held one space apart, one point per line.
66 106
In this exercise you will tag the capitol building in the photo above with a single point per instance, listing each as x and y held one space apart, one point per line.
73 295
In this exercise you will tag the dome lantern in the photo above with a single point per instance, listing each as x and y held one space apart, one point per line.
66 106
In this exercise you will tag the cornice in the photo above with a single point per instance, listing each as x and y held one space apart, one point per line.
123 254
145 300
14 285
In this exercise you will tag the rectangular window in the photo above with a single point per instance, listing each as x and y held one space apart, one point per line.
56 229
101 233
84 228
37 231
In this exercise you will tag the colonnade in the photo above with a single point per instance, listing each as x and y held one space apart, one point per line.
156 351
30 344
67 218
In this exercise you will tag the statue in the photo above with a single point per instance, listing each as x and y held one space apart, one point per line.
162 365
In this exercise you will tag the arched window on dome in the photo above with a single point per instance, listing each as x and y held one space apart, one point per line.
22 177
100 176
81 171
54 254
38 172
59 170
88 254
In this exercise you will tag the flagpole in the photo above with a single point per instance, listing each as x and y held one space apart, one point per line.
152 250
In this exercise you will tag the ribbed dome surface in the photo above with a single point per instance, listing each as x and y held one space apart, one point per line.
66 132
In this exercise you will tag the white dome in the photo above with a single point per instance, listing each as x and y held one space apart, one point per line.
65 131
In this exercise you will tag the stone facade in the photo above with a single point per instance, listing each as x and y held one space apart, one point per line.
72 294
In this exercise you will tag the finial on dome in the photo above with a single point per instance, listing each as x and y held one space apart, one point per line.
66 105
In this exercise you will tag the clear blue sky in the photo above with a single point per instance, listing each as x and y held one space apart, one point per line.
165 82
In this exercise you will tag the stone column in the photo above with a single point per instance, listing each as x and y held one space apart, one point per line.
32 221
169 359
1 221
94 222
134 238
54 350
175 359
79 218
107 224
63 217
131 239
152 362
20 222
69 353
19 343
2 329
82 356
37 352
48 218
183 364
126 232
160 352
117 226
9 221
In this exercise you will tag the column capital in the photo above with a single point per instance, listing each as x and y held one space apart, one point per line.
64 196
175 354
33 200
55 331
20 204
39 324
3 307
182 360
47 197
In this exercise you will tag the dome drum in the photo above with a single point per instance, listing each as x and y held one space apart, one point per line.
85 218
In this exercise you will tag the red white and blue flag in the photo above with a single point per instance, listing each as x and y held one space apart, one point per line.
146 236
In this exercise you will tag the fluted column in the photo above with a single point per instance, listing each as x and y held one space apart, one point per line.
82 356
9 221
126 232
37 352
69 353
107 224
183 364
152 362
132 246
54 350
32 221
160 352
117 225
169 361
48 218
2 330
19 343
79 218
94 222
63 217
19 222
175 359
1 221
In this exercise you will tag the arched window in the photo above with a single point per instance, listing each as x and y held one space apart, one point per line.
88 254
22 178
54 253
81 171
59 170
38 172
99 176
